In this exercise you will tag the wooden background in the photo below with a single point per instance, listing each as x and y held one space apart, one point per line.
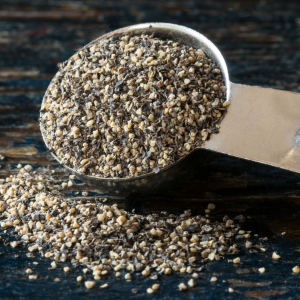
260 41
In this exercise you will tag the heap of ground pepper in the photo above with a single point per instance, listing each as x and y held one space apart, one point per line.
105 238
128 106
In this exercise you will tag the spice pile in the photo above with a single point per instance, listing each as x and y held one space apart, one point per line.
128 106
104 238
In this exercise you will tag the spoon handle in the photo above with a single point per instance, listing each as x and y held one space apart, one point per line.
261 125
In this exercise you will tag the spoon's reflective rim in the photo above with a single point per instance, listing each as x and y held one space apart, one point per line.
175 32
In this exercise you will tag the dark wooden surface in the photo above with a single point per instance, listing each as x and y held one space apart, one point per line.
260 41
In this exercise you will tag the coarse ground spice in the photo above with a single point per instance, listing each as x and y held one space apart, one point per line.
191 282
127 106
106 239
182 287
296 269
275 256
237 260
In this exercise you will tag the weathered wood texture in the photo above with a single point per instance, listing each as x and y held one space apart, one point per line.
260 41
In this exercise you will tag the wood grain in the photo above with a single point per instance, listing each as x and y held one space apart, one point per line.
260 41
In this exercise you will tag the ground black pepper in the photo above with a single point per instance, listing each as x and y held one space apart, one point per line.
124 107
107 239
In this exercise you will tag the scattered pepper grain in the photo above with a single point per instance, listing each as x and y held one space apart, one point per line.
275 255
182 287
150 291
191 282
89 284
236 260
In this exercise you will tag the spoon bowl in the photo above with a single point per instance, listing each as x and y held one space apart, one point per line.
185 167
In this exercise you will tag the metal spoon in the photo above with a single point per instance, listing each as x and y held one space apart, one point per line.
261 125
